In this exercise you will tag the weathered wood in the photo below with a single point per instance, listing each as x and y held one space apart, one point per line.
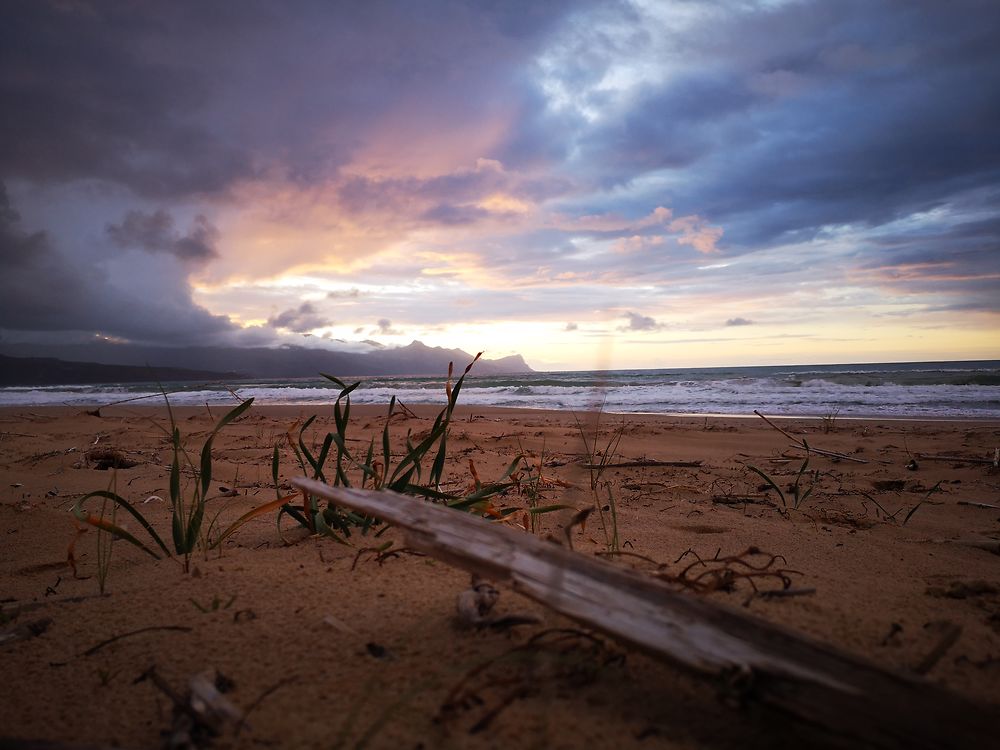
850 698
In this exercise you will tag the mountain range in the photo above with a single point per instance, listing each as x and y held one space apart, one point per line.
102 362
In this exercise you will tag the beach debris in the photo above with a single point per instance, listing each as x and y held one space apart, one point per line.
475 607
955 459
988 506
113 639
200 714
383 552
338 624
989 545
109 458
962 589
643 463
152 499
742 500
722 573
24 631
890 638
475 604
950 633
888 485
803 446
778 594
378 651
565 658
260 699
779 669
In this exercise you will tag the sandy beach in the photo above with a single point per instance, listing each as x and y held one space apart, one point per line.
332 645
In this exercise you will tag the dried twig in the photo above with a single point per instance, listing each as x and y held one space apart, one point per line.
643 462
94 649
801 445
955 459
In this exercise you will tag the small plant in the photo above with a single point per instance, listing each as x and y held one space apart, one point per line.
105 540
215 605
410 475
830 420
531 484
187 515
799 492
923 500
886 515
105 676
597 462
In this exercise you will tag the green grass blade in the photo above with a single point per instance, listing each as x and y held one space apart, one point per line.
206 451
97 522
770 481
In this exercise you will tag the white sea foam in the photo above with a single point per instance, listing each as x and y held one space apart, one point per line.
806 391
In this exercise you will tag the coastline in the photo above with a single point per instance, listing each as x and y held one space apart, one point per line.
307 610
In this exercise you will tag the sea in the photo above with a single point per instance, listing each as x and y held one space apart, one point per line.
919 390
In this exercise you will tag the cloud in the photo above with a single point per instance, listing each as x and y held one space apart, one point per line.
302 319
155 233
659 216
637 322
44 290
92 104
571 327
352 293
697 233
384 327
739 322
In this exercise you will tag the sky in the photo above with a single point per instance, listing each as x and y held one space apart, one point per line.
589 184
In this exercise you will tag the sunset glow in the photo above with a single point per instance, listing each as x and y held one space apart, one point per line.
590 185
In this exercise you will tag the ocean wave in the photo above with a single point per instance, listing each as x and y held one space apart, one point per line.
806 392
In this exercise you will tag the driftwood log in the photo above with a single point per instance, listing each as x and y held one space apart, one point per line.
852 700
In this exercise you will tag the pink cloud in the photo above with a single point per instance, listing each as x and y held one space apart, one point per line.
697 232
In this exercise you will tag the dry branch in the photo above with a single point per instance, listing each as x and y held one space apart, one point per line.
801 444
851 699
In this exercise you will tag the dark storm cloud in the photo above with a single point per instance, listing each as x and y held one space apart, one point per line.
302 319
42 290
672 127
94 91
186 97
156 233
